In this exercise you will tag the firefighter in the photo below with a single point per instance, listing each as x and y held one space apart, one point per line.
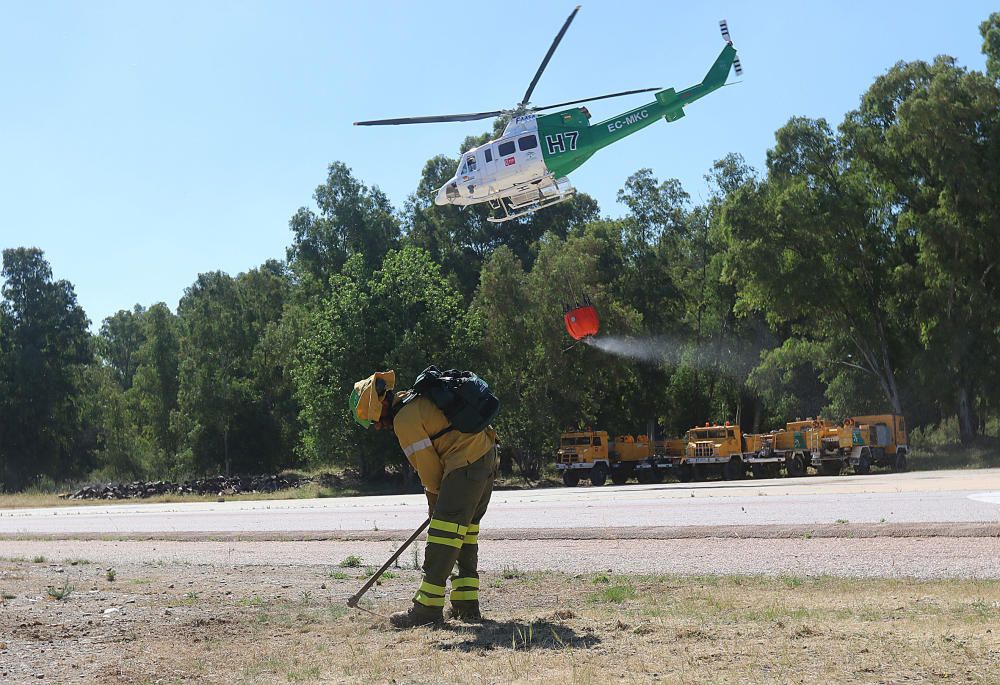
457 471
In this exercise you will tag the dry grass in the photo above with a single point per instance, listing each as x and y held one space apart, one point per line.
351 488
290 625
24 500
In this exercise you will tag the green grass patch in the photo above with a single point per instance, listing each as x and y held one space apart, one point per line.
615 594
511 573
59 593
351 561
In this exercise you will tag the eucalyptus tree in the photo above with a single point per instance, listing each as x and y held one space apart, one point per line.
816 249
930 134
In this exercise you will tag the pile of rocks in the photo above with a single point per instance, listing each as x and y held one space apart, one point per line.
217 485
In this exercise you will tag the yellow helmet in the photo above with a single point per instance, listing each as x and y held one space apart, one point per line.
365 401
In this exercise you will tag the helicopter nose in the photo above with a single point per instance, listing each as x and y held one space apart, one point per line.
446 193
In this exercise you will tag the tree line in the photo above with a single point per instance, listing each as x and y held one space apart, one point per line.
857 272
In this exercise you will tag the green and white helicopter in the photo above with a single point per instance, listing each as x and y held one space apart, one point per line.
526 168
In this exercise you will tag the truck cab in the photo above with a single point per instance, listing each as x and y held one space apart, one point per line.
713 450
583 454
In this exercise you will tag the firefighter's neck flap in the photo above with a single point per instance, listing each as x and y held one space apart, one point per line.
365 401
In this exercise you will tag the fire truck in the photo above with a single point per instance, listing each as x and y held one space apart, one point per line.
794 447
592 455
865 441
713 450
859 442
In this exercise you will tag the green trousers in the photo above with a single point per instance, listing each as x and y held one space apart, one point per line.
453 536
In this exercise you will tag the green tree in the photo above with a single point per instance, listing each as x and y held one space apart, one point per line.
121 451
44 346
815 248
404 317
931 134
352 219
990 31
229 381
119 341
155 385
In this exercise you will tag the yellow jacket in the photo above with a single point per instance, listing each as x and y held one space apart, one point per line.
416 422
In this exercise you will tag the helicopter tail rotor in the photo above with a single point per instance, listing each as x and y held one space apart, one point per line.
724 29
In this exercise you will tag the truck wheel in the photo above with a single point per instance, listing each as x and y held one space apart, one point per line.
656 476
795 466
644 476
831 468
864 465
571 478
619 477
699 472
734 469
598 475
900 462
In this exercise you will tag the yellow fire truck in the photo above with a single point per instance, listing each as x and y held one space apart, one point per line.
591 454
859 442
865 441
796 446
713 450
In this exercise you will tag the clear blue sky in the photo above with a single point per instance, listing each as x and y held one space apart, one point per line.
142 143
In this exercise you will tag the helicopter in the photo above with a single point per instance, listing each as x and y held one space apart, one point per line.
526 168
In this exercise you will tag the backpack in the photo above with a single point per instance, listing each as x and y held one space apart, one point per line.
464 397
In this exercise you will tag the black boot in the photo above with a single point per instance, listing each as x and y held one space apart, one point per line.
465 610
416 615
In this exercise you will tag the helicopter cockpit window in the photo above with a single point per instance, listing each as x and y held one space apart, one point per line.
505 149
470 164
527 143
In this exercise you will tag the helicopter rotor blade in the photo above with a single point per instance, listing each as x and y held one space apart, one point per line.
599 97
726 36
431 119
548 56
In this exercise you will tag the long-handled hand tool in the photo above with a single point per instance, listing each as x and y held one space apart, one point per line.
353 601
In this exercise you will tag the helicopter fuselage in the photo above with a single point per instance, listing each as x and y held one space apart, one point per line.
536 152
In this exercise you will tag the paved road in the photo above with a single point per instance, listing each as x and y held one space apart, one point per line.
922 497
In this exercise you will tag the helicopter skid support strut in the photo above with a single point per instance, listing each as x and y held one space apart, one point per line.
530 201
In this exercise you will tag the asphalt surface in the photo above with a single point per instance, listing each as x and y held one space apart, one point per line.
947 497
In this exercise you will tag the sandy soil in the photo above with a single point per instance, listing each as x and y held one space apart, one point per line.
273 612
805 554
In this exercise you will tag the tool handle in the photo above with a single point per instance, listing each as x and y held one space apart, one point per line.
353 601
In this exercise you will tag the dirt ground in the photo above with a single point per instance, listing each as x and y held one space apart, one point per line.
176 622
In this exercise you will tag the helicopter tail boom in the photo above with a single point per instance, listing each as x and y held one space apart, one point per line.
714 79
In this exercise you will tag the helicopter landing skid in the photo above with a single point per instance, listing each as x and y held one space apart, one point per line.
530 200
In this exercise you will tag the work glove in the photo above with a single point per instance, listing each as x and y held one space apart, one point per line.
432 500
